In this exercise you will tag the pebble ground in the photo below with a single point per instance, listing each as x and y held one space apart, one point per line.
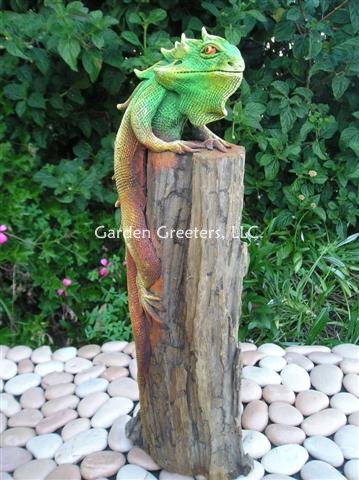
63 413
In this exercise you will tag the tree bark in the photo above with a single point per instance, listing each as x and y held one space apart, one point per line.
189 421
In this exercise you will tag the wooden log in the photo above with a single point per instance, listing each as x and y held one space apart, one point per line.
189 421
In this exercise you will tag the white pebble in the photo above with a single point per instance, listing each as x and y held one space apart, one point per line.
318 470
110 410
295 377
286 459
347 439
255 444
256 473
91 386
82 444
346 402
351 470
262 376
49 367
274 362
64 354
19 353
8 404
271 349
134 472
8 369
44 446
19 384
322 448
41 354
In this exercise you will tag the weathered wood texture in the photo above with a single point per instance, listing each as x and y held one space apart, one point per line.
190 407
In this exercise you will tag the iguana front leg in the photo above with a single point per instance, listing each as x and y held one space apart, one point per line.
211 140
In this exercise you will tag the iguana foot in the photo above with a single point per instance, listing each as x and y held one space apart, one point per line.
151 299
183 146
216 143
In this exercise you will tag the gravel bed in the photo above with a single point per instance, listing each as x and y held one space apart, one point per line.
63 413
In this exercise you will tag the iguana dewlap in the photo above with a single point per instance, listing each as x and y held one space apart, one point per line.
192 83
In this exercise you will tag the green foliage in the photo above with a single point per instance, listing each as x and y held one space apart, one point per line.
65 65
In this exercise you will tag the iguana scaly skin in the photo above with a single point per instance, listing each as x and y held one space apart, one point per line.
192 83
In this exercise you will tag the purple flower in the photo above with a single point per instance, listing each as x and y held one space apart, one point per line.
103 272
66 282
104 262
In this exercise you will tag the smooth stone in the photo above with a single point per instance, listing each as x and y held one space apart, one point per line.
284 434
134 472
247 347
325 423
255 416
133 368
89 405
318 470
57 404
286 459
74 427
55 421
137 409
117 439
8 404
295 377
13 457
284 414
327 378
124 387
44 446
325 358
101 463
77 365
255 444
25 366
130 349
351 470
346 402
59 390
137 456
113 359
273 362
165 475
322 448
82 444
277 476
89 351
113 373
5 476
307 349
346 350
48 367
347 439
251 357
29 417
256 473
8 369
18 353
91 386
3 422
110 410
271 349
353 419
65 472
19 384
55 378
90 373
351 384
262 376
41 354
349 365
114 346
278 393
16 437
1 385
35 470
250 390
3 350
300 360
311 401
32 398
64 354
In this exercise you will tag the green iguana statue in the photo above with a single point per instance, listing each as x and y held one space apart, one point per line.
192 83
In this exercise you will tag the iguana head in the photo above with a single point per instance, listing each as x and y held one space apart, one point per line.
204 73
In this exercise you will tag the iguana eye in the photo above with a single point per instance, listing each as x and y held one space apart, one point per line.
209 50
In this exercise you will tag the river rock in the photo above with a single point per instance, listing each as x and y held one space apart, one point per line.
16 437
346 350
286 459
134 472
256 473
8 404
346 402
91 386
25 366
53 406
277 476
250 358
137 456
44 446
311 401
351 384
110 410
114 346
299 360
8 369
3 351
89 351
13 457
65 472
113 359
100 464
48 367
3 422
117 438
325 358
285 414
255 444
273 362
64 354
261 376
90 373
82 444
113 373
278 393
318 470
60 390
55 421
133 368
124 387
55 378
284 434
347 439
18 353
271 349
255 416
324 423
77 365
41 354
327 378
295 377
307 349
351 470
35 470
74 427
130 349
322 448
353 419
32 398
89 405
349 365
250 390
247 347
29 417
19 384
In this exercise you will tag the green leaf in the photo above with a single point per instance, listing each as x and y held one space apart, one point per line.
257 15
266 159
69 50
36 100
287 119
354 14
339 85
20 108
157 15
92 62
271 170
281 87
318 151
16 91
320 212
131 37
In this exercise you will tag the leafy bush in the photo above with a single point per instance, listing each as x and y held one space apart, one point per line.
65 65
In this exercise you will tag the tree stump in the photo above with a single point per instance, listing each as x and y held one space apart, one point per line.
189 421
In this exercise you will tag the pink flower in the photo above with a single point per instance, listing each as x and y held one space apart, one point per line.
3 238
60 291
104 261
103 272
66 282
3 228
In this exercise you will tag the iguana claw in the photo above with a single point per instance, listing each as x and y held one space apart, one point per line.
151 299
